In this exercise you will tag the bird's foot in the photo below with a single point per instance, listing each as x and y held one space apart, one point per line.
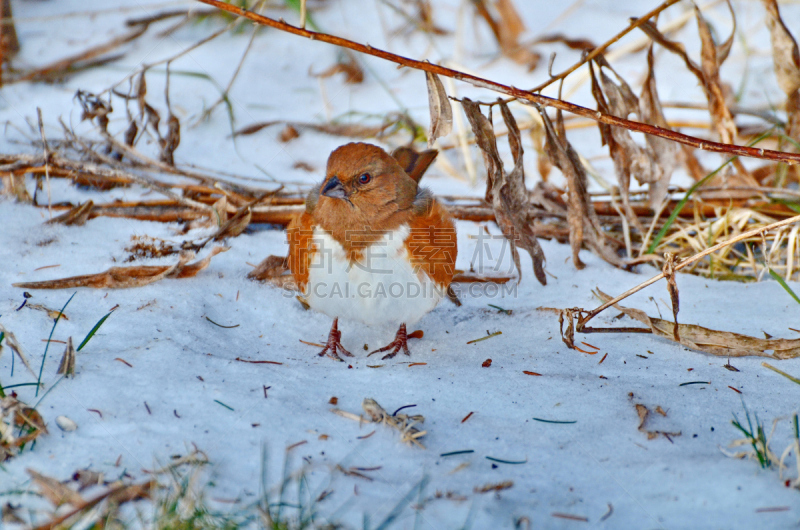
334 343
400 341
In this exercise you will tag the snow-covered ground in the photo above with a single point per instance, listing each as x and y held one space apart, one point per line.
181 383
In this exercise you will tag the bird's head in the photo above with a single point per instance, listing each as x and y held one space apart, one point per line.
364 189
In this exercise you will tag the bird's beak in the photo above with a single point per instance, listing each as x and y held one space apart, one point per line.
334 189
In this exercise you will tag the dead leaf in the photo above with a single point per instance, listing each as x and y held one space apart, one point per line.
441 111
498 486
141 91
711 60
347 65
130 134
14 186
171 141
67 365
643 413
584 226
94 108
30 418
19 425
54 491
133 492
629 158
568 336
506 192
11 341
672 288
720 343
274 269
219 215
288 133
786 57
507 27
76 216
235 225
404 423
128 277
664 153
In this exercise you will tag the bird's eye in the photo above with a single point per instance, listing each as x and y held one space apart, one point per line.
365 178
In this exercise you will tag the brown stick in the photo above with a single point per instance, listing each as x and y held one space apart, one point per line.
63 65
756 231
526 96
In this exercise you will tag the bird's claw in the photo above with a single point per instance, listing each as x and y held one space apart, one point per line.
334 343
400 341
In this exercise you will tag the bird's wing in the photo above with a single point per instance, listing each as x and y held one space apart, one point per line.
432 245
300 234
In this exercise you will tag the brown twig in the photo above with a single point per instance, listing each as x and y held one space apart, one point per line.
526 97
635 23
582 320
63 66
58 521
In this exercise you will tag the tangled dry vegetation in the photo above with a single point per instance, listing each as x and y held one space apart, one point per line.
735 222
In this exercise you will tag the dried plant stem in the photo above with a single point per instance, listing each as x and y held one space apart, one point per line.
46 162
95 169
62 65
526 97
583 320
224 96
784 374
168 60
635 23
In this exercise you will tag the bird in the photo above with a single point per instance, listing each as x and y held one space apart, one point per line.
371 245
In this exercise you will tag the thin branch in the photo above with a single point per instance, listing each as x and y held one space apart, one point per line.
523 95
685 263
228 88
63 66
635 23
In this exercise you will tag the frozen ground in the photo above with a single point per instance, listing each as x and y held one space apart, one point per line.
182 366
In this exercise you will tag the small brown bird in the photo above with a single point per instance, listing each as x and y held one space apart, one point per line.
372 245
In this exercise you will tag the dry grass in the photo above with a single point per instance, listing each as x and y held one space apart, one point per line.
746 216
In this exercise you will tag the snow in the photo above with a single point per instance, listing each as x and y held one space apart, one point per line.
152 381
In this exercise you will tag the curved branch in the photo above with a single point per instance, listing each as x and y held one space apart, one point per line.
685 263
523 95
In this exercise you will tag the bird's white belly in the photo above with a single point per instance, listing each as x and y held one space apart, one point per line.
380 289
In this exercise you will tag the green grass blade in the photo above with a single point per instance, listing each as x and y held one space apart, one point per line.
94 330
777 278
401 504
55 323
